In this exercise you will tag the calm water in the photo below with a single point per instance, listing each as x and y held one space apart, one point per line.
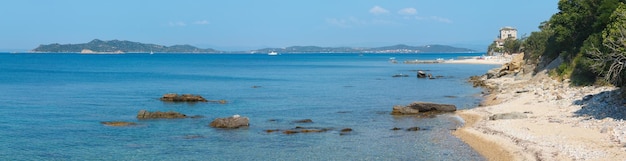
52 106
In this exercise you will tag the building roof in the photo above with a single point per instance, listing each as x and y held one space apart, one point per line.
507 28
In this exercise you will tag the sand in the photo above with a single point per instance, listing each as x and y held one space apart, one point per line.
486 60
563 122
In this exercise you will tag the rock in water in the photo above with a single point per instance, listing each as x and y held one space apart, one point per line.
417 107
421 74
143 114
403 110
173 97
230 122
304 121
118 123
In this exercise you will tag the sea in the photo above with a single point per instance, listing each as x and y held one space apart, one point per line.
52 106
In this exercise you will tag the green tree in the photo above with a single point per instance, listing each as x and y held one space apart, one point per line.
612 62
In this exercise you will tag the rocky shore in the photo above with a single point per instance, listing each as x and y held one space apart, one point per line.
534 117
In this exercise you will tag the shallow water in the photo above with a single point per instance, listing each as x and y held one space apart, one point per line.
53 105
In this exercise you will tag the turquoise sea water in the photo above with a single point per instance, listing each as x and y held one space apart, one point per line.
52 106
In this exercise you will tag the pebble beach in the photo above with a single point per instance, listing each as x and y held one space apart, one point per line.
534 117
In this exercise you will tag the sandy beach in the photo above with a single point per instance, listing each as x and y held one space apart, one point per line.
530 117
486 60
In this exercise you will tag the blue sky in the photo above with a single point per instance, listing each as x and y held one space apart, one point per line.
252 24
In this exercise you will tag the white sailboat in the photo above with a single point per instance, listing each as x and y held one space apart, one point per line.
272 53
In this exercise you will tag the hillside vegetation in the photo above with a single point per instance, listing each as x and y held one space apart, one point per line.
589 36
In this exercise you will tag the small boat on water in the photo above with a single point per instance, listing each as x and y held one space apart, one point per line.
272 53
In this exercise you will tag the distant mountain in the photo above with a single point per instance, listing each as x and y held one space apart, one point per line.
117 46
387 49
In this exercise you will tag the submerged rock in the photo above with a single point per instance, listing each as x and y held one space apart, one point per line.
417 107
218 101
143 114
413 129
173 97
118 123
304 121
299 129
234 121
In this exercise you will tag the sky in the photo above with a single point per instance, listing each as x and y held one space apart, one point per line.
238 25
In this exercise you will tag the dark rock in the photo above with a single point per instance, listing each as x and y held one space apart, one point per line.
522 91
430 76
290 132
173 97
413 129
272 130
304 121
421 74
417 107
143 114
313 130
346 130
256 86
299 129
118 123
396 128
504 116
234 121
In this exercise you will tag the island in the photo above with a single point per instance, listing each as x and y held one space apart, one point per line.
97 46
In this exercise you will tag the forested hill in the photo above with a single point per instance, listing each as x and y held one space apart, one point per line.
588 36
117 46
387 49
99 46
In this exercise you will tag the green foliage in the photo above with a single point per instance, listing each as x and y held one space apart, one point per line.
512 45
577 33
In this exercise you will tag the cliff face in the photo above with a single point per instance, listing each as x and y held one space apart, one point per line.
117 46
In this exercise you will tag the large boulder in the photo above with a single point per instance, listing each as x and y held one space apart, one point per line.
234 121
417 107
173 97
143 114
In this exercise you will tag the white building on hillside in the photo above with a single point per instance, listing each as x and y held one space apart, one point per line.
505 33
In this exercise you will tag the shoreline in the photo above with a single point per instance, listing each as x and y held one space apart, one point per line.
547 120
494 61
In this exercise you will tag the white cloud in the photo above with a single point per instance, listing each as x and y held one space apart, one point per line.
377 10
177 24
202 22
408 11
346 23
440 19
338 22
